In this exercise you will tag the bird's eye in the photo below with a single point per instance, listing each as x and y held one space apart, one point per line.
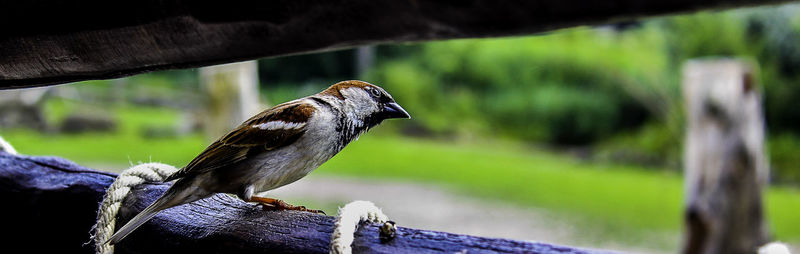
375 93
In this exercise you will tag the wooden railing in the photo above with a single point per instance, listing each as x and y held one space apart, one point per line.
51 205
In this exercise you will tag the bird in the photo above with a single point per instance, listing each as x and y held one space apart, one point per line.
276 147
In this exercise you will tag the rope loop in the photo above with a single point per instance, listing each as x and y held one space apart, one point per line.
116 193
347 222
343 235
6 147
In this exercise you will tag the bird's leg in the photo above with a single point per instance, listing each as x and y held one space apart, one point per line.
277 204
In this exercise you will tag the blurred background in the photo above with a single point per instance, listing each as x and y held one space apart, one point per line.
572 137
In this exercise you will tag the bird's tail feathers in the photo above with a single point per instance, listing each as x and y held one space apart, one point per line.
173 197
134 223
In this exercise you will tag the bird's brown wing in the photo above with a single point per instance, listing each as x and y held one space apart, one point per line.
272 129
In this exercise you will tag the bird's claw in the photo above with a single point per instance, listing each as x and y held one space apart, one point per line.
313 211
304 209
280 205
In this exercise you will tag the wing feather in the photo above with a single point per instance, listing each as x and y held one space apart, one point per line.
272 129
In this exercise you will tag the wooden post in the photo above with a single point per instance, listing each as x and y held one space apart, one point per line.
365 59
232 92
724 158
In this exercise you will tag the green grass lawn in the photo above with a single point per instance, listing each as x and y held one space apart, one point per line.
626 204
629 205
126 145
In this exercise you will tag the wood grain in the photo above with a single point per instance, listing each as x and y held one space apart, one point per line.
51 206
51 41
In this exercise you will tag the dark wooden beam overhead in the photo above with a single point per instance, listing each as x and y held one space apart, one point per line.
47 42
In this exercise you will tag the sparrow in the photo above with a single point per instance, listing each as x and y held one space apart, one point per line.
276 147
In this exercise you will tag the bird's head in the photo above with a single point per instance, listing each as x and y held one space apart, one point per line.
365 104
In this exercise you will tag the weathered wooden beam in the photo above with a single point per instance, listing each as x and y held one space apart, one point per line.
725 168
50 207
51 41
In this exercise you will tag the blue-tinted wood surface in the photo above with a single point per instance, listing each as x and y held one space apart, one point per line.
49 206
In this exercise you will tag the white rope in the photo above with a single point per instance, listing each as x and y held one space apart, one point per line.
5 146
774 248
343 235
347 222
116 193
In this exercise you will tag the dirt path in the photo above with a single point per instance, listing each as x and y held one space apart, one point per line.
433 208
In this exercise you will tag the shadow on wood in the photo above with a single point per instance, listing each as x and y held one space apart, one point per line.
51 206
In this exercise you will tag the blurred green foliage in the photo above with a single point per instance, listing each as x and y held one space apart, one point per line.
560 88
783 149
768 36
615 88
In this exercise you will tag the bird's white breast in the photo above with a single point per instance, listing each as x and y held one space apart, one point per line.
290 163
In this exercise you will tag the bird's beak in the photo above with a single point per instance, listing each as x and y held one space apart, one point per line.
393 110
